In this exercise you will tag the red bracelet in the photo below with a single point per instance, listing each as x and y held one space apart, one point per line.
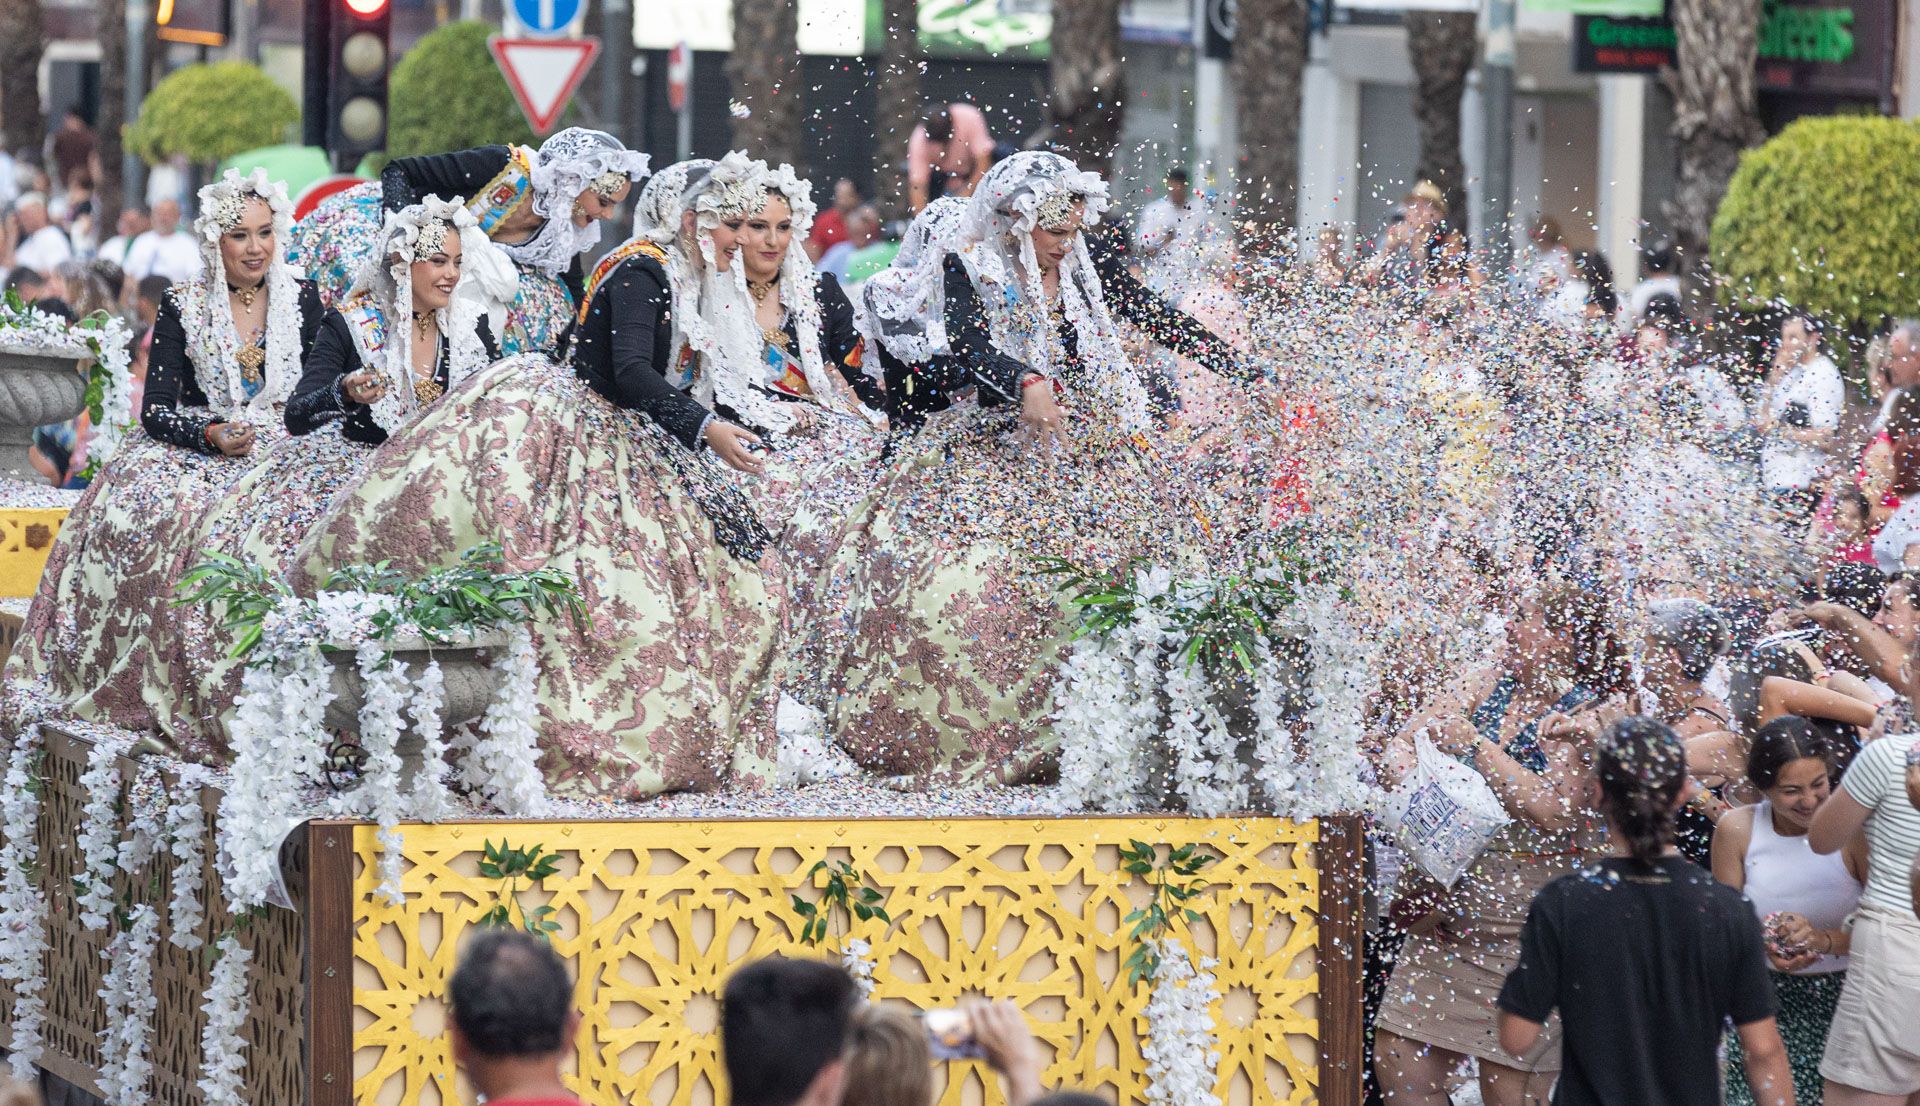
1030 380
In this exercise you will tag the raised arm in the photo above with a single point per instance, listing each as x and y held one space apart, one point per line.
457 175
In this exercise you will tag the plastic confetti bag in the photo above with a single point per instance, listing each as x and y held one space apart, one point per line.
1443 814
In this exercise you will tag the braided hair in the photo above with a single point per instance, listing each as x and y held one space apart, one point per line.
1642 768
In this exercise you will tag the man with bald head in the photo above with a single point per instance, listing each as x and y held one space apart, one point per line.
167 250
43 246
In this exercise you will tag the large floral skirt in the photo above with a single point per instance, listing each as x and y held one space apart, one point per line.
669 687
331 245
263 519
954 635
812 484
109 581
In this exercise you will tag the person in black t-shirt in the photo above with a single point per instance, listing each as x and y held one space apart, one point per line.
1644 955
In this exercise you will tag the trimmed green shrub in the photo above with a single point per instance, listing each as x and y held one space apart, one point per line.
208 113
447 94
1825 216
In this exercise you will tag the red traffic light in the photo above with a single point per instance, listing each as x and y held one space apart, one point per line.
367 9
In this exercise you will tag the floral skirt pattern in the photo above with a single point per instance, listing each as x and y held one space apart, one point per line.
812 483
1807 1004
954 636
262 519
331 244
110 577
669 687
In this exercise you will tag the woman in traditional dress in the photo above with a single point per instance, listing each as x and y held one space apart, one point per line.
955 635
595 469
227 351
542 209
789 368
399 341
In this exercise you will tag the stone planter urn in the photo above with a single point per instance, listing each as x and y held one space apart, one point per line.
466 670
1232 695
38 387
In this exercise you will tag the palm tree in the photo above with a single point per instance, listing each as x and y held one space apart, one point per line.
896 103
112 30
1715 112
1269 58
1441 46
764 70
23 39
1087 98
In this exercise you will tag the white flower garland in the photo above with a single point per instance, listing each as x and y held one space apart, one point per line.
431 799
1206 764
223 1041
1108 715
23 933
856 956
281 708
186 828
130 1001
505 765
99 836
378 796
1179 1049
1333 774
279 739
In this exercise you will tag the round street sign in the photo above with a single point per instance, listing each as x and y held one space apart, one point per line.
546 17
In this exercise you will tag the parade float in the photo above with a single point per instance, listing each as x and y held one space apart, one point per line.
282 929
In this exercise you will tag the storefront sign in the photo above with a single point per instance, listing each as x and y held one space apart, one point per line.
1597 7
1832 49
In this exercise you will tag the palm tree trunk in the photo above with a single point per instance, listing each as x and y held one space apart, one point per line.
1087 100
1441 46
1715 113
113 110
1269 59
896 104
23 39
764 70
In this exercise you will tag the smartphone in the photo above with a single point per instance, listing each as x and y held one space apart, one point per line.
949 1036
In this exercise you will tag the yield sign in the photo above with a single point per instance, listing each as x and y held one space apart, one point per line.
543 73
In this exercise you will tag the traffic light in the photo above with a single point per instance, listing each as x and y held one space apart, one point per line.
347 60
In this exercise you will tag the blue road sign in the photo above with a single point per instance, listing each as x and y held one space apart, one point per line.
547 17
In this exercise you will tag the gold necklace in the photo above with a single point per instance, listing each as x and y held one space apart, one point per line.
247 295
422 322
760 291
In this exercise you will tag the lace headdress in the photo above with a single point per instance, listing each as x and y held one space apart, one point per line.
571 162
904 306
206 313
798 281
1038 189
386 280
656 216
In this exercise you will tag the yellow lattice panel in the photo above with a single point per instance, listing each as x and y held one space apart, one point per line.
655 915
26 537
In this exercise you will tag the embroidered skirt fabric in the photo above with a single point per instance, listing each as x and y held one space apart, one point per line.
954 635
671 685
110 577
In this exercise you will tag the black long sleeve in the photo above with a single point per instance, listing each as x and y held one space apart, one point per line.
841 344
457 175
316 400
319 399
621 348
914 391
171 385
1163 324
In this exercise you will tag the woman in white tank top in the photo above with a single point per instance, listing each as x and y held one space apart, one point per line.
1803 898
